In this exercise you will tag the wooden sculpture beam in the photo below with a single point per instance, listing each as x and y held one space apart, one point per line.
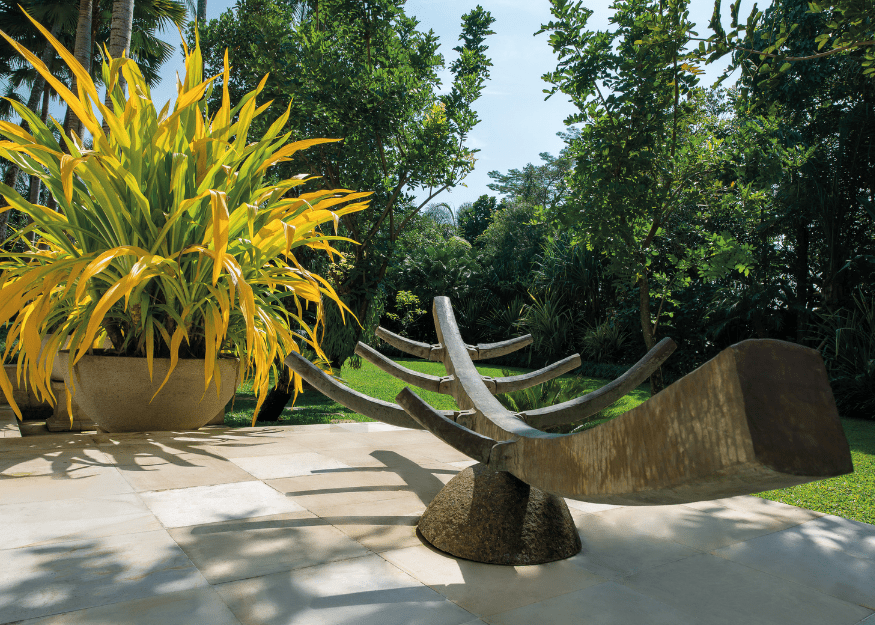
496 385
587 405
758 416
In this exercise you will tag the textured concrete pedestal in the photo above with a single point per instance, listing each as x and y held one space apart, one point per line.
491 516
60 421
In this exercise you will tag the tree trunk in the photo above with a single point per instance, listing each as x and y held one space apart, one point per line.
82 52
656 382
37 89
119 41
802 280
201 11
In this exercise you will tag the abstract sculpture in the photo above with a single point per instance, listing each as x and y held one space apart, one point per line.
758 416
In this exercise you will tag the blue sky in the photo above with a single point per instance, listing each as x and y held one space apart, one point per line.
516 123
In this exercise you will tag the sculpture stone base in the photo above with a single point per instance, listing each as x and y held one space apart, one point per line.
492 517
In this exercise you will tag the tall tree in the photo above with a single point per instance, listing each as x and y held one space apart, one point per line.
83 53
361 71
539 185
827 105
645 154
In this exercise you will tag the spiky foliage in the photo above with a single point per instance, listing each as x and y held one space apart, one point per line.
170 237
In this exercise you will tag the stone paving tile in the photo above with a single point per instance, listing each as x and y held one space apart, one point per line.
85 482
719 592
61 463
201 606
287 465
402 438
363 591
37 444
587 507
792 555
603 604
464 464
74 519
435 450
852 537
695 528
237 447
613 555
485 589
60 577
380 525
182 507
328 490
330 440
747 503
390 470
375 426
148 471
247 548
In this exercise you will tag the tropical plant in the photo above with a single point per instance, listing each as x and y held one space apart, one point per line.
848 347
551 325
171 238
602 342
550 393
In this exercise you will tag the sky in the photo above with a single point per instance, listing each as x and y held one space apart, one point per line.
517 124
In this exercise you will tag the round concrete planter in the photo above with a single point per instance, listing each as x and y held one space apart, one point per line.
115 391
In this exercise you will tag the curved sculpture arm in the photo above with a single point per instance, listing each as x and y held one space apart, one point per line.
421 380
494 350
528 380
460 438
414 348
589 404
393 414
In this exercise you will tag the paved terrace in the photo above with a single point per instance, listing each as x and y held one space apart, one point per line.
316 524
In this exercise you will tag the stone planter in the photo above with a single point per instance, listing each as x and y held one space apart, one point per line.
30 405
116 393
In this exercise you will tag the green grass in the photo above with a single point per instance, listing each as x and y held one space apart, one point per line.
313 407
851 496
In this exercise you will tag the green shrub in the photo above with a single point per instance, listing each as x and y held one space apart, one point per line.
604 342
848 347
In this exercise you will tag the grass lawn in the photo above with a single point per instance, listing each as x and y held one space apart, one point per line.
851 496
313 407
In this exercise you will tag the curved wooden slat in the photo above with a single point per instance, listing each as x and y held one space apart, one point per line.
393 414
414 348
528 380
483 351
591 403
460 438
421 380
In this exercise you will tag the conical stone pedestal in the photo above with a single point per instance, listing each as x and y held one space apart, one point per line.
492 517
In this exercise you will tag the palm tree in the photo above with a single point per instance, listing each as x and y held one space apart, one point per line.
87 16
16 23
82 51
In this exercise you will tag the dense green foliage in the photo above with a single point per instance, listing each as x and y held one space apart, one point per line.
710 216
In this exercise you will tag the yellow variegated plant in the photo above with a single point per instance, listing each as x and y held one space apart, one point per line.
170 237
